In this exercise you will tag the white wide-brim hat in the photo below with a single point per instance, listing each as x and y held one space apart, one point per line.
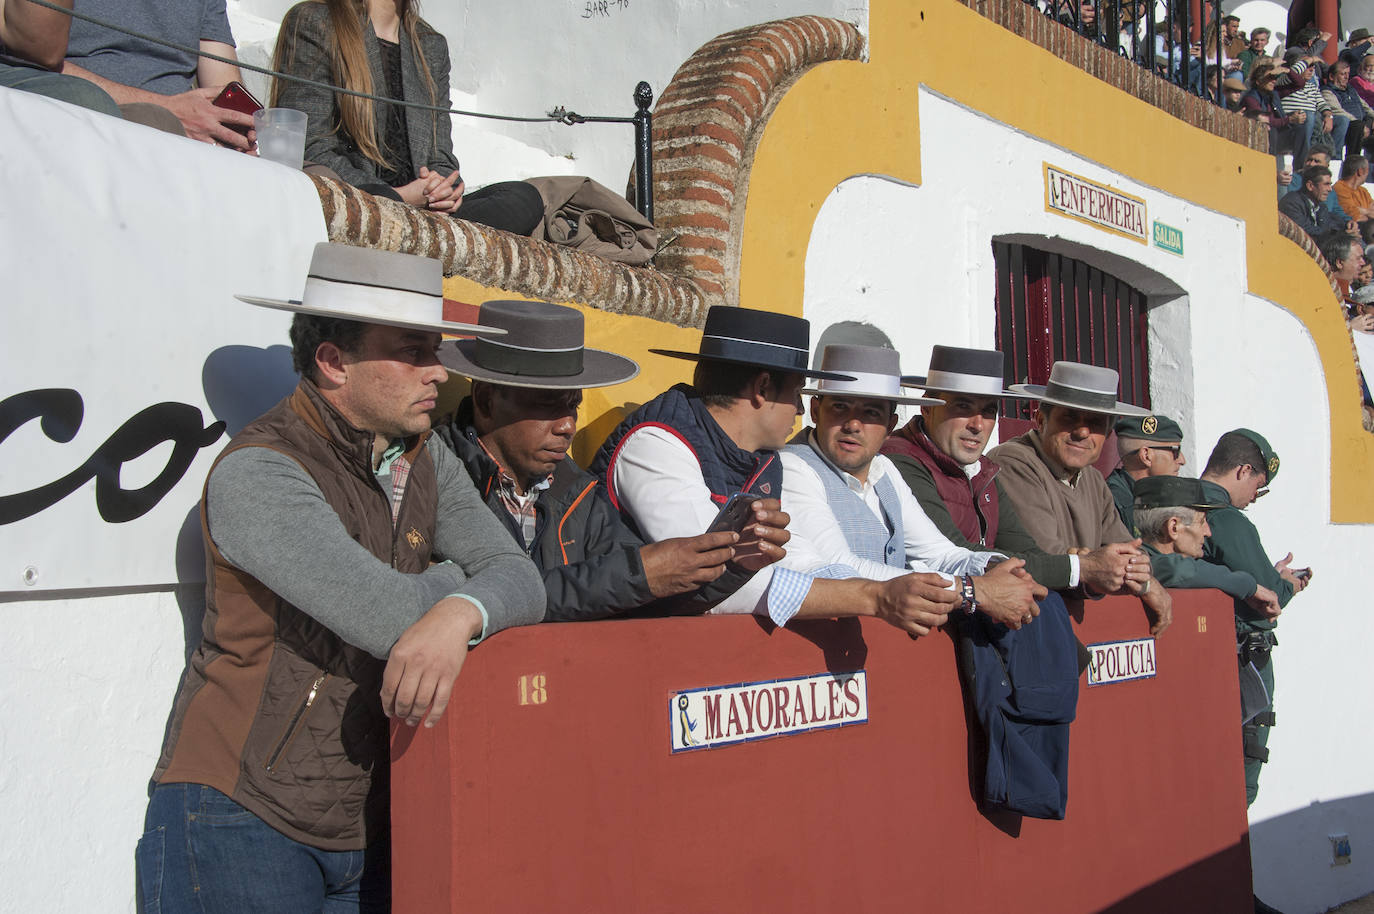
1080 386
875 373
374 287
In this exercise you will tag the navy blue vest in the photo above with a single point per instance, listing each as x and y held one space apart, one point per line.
724 466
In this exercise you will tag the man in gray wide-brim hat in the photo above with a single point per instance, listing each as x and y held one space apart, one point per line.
849 507
1048 472
513 435
350 564
940 456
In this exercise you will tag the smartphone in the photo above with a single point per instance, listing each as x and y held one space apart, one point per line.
236 98
735 514
1303 574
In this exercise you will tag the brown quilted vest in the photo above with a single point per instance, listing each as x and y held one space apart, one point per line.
274 709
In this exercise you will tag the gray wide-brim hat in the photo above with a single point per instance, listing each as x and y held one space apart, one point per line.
373 287
876 375
543 347
955 370
1080 386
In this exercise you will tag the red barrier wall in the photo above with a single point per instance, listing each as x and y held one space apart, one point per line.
575 803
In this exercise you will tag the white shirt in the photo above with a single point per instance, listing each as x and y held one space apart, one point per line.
817 540
657 480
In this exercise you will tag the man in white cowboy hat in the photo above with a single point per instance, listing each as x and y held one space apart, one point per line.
1048 472
939 455
673 463
846 512
350 565
513 435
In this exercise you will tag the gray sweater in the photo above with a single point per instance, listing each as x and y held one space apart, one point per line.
269 518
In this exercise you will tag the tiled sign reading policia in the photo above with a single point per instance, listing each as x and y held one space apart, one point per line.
1119 661
722 715
1096 204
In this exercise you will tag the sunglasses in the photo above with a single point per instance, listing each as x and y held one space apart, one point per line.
1175 449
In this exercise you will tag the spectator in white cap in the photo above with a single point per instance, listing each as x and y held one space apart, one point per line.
1048 472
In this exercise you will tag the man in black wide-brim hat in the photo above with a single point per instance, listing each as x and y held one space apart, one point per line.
513 435
672 464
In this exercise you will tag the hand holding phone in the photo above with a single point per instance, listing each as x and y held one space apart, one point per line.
237 98
735 515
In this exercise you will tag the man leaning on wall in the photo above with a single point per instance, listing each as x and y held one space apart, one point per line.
513 434
1049 471
350 566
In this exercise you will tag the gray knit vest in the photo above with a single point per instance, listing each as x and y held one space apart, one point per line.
867 536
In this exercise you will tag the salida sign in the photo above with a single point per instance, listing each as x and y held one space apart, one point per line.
724 715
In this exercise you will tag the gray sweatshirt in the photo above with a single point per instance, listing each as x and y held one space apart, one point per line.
269 518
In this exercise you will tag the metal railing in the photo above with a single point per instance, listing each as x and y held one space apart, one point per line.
1166 48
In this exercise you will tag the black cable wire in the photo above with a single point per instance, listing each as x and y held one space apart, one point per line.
558 115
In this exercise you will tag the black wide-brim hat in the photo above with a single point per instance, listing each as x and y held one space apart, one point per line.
542 347
762 339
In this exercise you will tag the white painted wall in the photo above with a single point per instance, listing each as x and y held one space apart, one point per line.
525 58
917 261
119 270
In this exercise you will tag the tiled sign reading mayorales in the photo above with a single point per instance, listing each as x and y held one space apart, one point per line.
722 715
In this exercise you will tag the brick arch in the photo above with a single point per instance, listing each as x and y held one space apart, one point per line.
706 127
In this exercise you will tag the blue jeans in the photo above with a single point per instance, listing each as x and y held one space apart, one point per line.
201 852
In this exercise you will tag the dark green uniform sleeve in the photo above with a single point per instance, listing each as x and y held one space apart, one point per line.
1012 539
1235 543
1174 570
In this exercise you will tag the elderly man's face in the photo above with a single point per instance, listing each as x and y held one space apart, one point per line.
1367 67
851 430
1071 437
962 426
391 383
528 430
1340 75
1165 459
1346 270
1187 538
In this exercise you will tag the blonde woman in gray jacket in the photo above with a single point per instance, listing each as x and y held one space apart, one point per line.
384 48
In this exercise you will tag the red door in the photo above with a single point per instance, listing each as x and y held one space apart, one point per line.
1051 307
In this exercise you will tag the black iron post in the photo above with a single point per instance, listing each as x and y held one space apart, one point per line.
1219 98
644 151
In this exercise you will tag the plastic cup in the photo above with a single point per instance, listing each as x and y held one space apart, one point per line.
281 135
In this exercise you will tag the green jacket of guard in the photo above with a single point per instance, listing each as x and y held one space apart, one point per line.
1236 544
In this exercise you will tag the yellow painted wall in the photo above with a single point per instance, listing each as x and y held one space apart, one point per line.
846 118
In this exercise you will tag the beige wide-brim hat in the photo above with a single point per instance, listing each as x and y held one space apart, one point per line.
874 373
374 287
1085 387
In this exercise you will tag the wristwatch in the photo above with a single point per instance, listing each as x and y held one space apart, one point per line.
966 591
